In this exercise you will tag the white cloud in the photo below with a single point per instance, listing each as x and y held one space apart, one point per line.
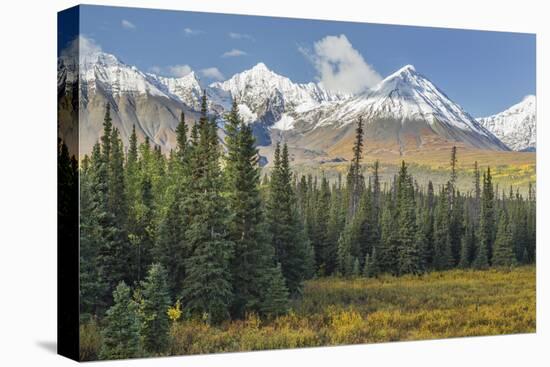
127 24
81 46
191 31
176 71
340 66
179 70
234 53
212 73
155 69
240 36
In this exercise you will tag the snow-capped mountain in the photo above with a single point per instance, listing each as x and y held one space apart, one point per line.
260 89
404 111
136 99
188 89
516 126
257 85
265 98
102 70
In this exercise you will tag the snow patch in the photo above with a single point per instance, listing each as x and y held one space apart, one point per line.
246 114
285 123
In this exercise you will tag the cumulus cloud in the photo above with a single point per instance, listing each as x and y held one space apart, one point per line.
176 71
82 46
234 53
212 73
155 69
179 70
340 66
191 31
127 24
240 36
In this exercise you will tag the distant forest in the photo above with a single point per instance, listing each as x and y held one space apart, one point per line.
202 234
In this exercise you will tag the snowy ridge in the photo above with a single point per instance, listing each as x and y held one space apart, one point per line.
256 86
515 126
186 88
406 95
104 70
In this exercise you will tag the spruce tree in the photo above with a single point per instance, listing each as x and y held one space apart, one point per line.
477 193
320 235
207 284
155 303
345 257
456 225
487 216
120 336
335 226
132 186
371 267
467 244
503 254
443 258
94 286
408 253
275 298
388 243
356 269
171 249
181 139
427 228
283 222
114 257
254 255
355 179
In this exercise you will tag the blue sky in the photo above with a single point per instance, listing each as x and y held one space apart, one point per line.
485 72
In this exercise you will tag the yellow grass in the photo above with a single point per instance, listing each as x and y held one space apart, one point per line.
348 311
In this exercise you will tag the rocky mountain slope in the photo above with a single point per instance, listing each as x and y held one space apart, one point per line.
516 126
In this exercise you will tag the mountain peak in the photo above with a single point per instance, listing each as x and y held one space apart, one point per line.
408 68
191 75
98 58
404 72
530 98
260 67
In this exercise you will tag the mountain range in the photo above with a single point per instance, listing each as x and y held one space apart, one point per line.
404 113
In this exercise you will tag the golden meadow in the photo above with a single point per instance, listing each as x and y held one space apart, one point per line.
339 311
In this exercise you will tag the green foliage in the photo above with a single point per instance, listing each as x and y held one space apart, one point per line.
155 301
388 245
345 258
283 223
171 248
487 222
503 254
355 180
254 255
207 287
443 258
467 245
121 332
275 300
409 258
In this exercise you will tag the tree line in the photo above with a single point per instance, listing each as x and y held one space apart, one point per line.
201 227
